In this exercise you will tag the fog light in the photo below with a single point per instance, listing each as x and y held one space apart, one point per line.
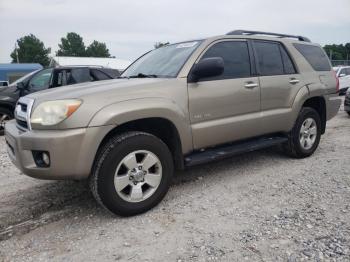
46 159
41 158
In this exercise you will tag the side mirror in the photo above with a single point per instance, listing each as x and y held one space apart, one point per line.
342 75
207 67
21 86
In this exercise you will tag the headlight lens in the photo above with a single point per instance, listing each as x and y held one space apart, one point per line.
53 112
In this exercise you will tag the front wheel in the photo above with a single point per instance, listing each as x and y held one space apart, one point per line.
305 136
5 116
132 173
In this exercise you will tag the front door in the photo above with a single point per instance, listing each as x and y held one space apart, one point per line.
225 108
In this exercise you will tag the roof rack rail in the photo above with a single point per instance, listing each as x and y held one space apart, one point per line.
247 32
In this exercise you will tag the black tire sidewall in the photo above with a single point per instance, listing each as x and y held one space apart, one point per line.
7 112
106 173
304 114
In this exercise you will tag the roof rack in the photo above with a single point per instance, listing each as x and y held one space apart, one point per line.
247 32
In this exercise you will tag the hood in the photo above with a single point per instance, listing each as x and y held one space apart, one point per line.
108 90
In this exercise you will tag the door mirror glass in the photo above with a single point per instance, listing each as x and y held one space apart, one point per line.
21 86
207 67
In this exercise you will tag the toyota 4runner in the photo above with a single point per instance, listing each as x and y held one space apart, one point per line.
177 106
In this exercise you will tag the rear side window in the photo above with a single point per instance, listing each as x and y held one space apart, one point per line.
287 62
316 57
269 58
236 59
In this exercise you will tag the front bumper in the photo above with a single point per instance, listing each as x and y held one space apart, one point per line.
333 103
72 151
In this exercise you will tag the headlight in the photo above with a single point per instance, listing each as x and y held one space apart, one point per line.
53 112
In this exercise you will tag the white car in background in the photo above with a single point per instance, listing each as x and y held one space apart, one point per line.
343 73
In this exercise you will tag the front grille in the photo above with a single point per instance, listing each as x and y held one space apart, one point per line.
24 107
22 113
22 124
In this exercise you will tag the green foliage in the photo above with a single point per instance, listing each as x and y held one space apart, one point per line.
31 50
72 45
97 49
160 44
338 52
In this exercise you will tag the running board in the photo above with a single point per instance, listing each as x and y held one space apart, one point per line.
233 149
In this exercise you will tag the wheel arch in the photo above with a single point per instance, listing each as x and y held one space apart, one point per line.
162 128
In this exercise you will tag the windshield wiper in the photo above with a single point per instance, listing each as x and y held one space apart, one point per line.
141 75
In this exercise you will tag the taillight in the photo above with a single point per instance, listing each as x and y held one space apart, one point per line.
337 80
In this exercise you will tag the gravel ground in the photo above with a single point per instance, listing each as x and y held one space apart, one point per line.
261 206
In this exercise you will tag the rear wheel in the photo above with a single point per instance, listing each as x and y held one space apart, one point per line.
305 135
132 173
5 116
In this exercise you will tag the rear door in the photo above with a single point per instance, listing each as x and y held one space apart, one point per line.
225 108
279 82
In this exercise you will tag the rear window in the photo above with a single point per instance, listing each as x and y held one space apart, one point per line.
316 57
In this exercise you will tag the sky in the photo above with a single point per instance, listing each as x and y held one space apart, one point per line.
131 27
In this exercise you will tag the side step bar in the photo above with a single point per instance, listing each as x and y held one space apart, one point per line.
233 149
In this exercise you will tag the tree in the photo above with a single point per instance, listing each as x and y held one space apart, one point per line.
160 44
338 52
97 49
31 50
72 45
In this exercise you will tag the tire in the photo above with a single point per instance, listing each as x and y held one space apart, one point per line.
114 158
295 147
5 115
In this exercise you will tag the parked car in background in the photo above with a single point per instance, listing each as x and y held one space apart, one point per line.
4 83
177 106
44 79
347 102
10 72
343 73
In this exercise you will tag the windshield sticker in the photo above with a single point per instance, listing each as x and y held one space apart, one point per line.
186 45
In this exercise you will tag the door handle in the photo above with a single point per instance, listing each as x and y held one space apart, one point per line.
294 81
250 85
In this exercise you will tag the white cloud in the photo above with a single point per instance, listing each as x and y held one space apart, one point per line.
130 28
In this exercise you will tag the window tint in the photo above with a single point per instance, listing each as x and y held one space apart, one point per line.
316 57
345 71
41 80
236 59
98 75
269 58
287 62
78 75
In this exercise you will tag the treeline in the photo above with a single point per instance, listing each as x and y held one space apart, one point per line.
338 52
30 49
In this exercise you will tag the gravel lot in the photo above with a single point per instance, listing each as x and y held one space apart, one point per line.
261 206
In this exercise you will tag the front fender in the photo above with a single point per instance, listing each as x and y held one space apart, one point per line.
136 109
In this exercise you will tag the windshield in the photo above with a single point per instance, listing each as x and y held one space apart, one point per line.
24 78
162 62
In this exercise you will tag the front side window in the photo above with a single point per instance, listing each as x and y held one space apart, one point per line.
41 80
98 75
269 58
165 61
236 59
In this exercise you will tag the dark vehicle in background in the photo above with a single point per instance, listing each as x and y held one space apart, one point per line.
347 102
44 79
